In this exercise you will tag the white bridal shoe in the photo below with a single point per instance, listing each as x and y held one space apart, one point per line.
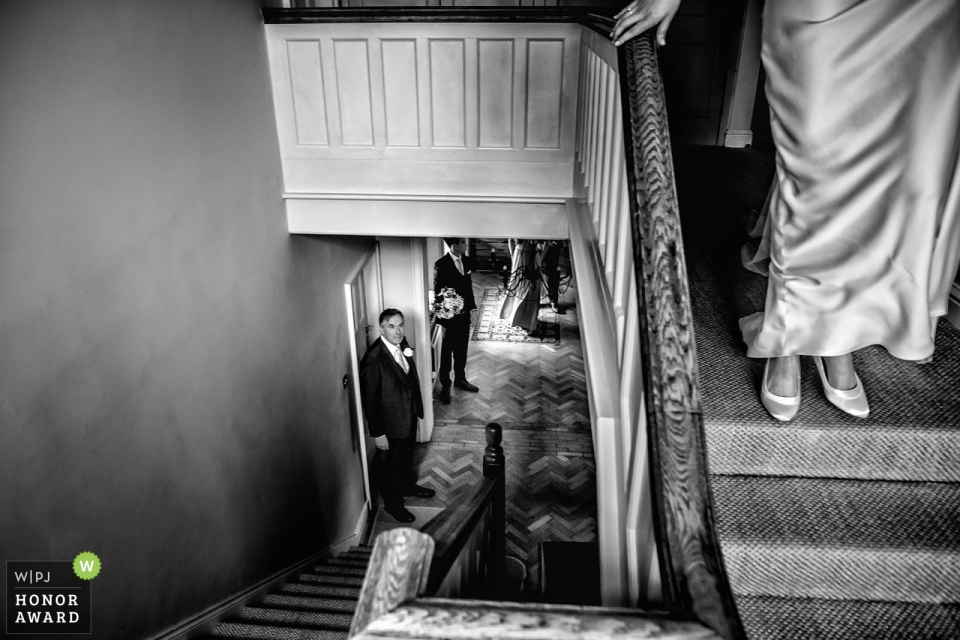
782 408
852 401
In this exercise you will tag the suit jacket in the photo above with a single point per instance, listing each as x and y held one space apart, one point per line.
391 398
445 274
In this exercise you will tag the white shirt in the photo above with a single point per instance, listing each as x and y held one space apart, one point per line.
397 355
458 262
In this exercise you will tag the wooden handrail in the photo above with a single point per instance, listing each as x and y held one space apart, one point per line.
406 563
432 618
453 528
694 577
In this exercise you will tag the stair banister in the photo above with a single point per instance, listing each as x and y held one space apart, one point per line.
694 577
458 554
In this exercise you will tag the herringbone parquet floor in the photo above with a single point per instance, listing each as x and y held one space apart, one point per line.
538 394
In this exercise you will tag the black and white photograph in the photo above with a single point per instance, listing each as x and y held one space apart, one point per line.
527 319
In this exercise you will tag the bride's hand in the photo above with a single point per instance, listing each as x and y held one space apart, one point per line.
640 15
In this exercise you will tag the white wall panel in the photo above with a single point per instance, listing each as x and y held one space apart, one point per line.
447 92
544 92
426 108
353 90
306 79
400 92
496 93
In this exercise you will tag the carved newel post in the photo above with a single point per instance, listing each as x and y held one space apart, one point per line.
494 465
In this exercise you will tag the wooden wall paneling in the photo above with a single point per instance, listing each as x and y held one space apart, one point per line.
306 82
471 97
545 69
381 128
378 116
447 92
425 102
353 92
400 83
495 79
331 93
519 92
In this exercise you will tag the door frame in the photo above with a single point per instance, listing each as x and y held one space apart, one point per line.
371 260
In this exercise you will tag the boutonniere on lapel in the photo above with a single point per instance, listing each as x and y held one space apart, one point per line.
408 352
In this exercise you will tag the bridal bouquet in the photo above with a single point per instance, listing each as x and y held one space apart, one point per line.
446 303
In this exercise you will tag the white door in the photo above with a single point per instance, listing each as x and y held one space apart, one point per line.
363 295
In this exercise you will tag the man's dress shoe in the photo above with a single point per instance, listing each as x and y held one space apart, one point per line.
419 492
466 386
400 514
445 395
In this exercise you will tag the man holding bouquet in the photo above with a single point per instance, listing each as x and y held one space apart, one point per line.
452 271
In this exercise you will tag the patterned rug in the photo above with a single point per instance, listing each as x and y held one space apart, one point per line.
490 327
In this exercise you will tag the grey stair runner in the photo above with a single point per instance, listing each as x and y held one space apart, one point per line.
318 605
830 527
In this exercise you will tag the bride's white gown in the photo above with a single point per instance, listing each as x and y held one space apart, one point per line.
864 226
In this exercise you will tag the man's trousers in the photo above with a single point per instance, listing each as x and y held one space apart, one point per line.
456 338
397 473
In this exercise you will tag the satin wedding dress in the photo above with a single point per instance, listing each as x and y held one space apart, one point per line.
863 226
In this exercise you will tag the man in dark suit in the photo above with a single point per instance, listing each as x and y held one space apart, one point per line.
453 271
390 392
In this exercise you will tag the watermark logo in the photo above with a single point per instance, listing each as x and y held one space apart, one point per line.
86 565
50 597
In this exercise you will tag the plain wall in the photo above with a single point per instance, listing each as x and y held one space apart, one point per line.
170 357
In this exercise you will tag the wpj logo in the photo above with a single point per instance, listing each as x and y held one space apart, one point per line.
50 597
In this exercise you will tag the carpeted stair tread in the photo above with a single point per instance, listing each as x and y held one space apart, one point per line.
838 513
287 617
303 602
768 618
263 632
332 579
349 562
866 452
798 537
338 570
321 590
908 575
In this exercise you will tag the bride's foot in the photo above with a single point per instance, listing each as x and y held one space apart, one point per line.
780 387
842 386
783 376
840 373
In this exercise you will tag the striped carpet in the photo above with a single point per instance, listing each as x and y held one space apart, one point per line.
831 527
317 605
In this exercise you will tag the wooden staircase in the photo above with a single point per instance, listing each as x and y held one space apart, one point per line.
318 605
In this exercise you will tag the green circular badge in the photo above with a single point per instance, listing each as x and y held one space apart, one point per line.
86 565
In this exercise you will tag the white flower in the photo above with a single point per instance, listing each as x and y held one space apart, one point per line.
408 352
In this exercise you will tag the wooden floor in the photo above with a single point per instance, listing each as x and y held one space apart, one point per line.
537 393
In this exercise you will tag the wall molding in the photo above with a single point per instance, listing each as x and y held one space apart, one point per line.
203 622
423 197
427 218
